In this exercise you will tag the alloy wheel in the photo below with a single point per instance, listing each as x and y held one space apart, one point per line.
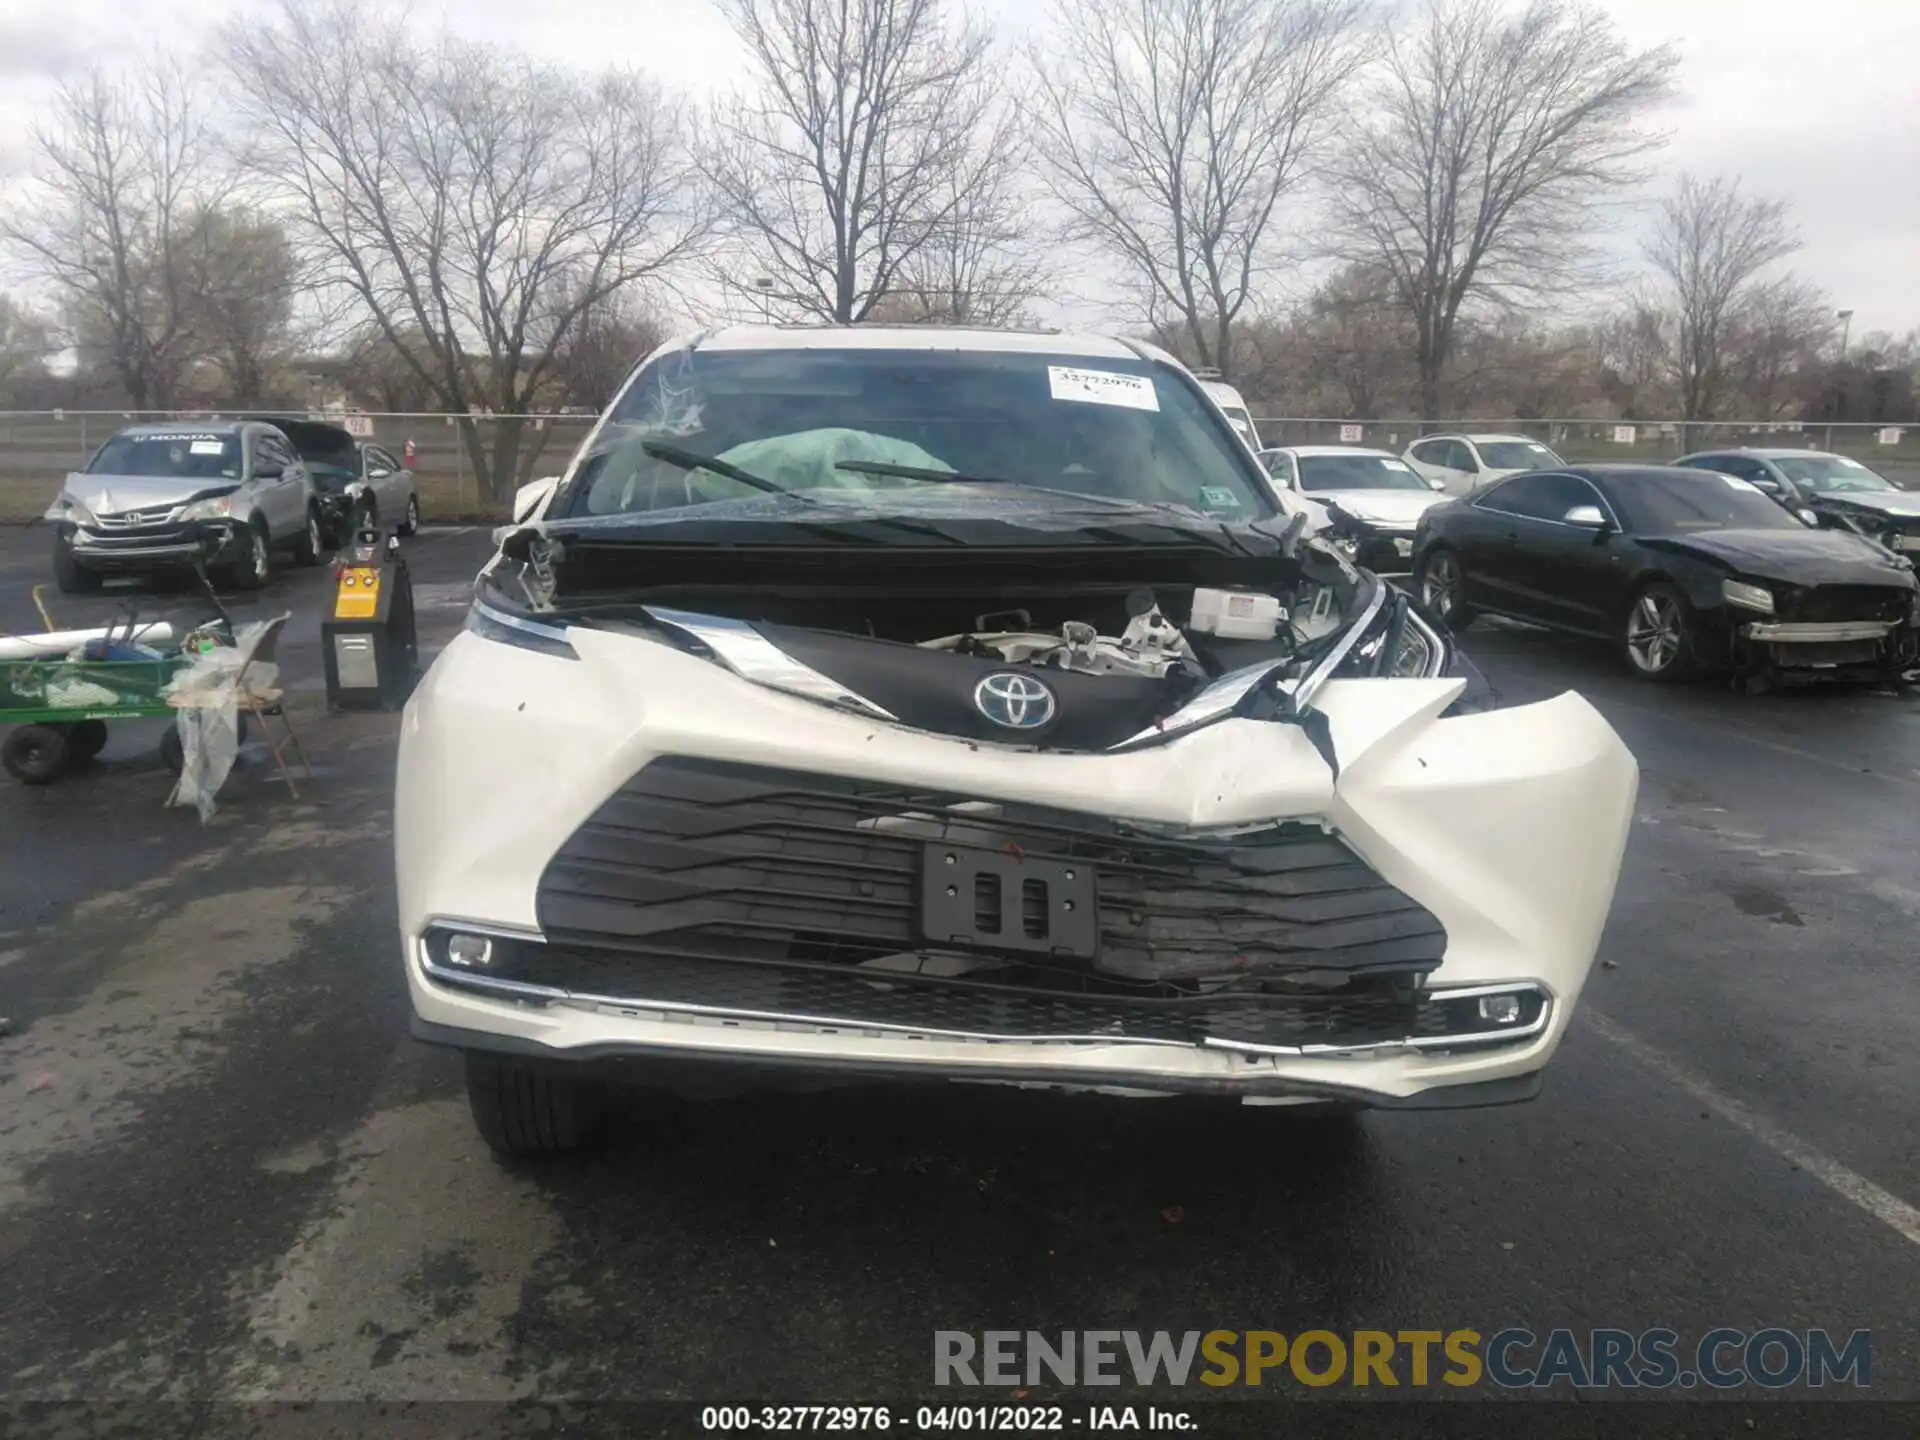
1655 631
258 559
1440 585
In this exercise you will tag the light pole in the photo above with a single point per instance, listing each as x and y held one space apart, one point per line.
1846 328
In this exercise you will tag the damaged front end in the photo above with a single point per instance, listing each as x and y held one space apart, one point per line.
1022 633
786 889
1032 749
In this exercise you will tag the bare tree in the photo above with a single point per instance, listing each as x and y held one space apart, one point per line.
242 274
1711 247
983 263
1171 130
848 158
25 344
1480 152
475 205
600 352
1355 341
119 167
1630 345
1775 348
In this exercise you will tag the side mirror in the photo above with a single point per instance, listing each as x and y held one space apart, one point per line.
1436 483
1587 517
530 496
1767 485
378 472
1810 518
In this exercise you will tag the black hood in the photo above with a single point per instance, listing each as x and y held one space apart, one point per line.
979 540
1793 557
320 443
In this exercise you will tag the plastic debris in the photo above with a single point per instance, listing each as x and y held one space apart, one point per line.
207 695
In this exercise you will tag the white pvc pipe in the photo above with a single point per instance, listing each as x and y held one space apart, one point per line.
156 635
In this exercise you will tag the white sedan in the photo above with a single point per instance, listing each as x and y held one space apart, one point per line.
1465 463
1371 500
964 705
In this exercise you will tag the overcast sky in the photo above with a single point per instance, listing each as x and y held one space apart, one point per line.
1817 103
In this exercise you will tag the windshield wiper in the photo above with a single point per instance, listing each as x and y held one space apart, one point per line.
690 460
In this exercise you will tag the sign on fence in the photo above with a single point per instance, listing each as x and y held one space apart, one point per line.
358 426
1623 434
1352 434
1889 436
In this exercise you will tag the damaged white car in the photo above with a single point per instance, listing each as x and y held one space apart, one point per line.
955 704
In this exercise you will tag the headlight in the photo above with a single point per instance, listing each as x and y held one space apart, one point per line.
1400 646
1347 545
219 507
1747 597
507 629
69 509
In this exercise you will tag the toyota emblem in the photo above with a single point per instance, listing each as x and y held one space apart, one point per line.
1018 702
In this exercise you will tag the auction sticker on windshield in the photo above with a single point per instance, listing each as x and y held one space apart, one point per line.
1736 483
1102 387
208 447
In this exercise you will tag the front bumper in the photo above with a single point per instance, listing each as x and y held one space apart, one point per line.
1507 827
158 547
1383 551
1843 647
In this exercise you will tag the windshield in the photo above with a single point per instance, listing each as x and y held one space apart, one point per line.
853 425
1517 455
1358 472
1830 473
187 455
1659 504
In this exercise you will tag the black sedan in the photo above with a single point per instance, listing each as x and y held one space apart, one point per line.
1684 569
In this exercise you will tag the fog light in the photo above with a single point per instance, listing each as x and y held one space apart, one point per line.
477 951
1500 1009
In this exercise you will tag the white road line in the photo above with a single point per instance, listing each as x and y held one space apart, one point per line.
1856 1189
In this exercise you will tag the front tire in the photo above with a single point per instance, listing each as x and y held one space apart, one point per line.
307 550
410 522
1657 636
520 1110
69 574
35 754
1442 586
255 565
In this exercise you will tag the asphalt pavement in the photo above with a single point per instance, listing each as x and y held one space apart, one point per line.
227 1172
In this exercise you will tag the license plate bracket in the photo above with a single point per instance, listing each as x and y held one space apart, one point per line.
998 900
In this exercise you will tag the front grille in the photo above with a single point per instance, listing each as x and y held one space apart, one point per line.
141 538
151 515
809 876
1826 654
1821 604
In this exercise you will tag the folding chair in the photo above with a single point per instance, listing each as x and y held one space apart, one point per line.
264 702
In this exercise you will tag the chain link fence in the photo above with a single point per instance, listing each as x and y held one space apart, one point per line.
37 448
